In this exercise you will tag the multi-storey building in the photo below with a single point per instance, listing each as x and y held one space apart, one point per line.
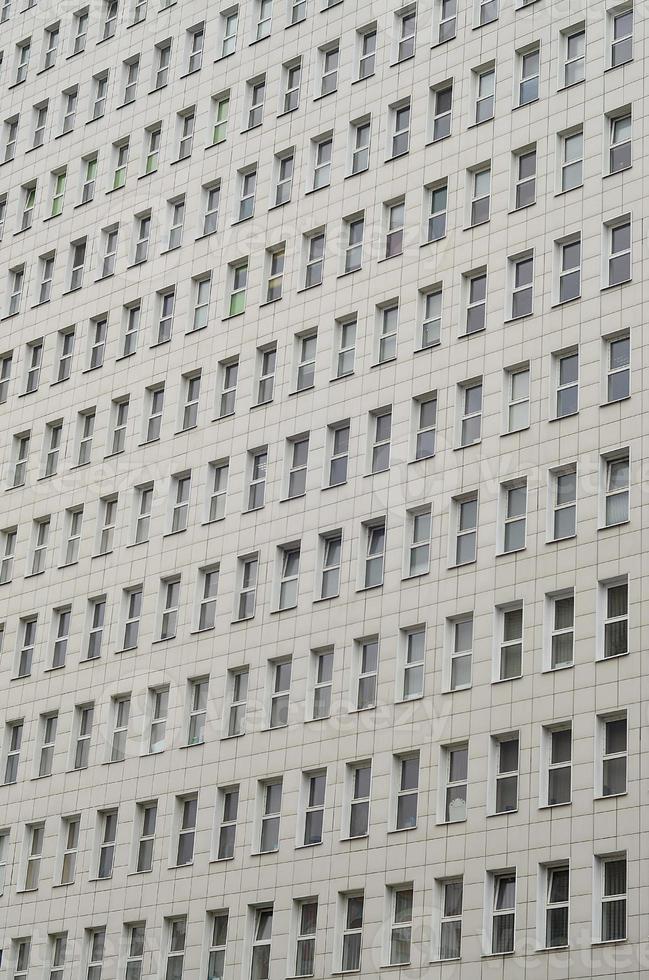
321 549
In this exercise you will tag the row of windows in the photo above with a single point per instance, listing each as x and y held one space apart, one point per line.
450 801
509 661
403 916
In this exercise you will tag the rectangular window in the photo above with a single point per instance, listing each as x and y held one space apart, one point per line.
524 163
561 621
614 599
618 367
121 708
176 936
306 355
238 694
505 755
569 254
314 789
617 236
159 700
352 932
395 216
418 557
461 652
454 788
621 35
289 576
555 884
322 667
329 62
450 931
367 664
218 936
566 370
401 914
446 27
230 20
480 195
374 560
187 812
338 437
134 951
360 145
280 693
517 409
198 692
360 776
270 816
257 467
170 601
573 41
407 791
322 151
247 599
616 488
557 748
256 90
400 129
228 799
229 373
470 406
261 943
619 136
13 742
388 324
466 510
442 110
571 146
521 271
485 88
503 911
35 834
107 840
475 284
612 753
528 65
315 250
381 425
514 516
83 720
563 485
147 817
208 581
612 874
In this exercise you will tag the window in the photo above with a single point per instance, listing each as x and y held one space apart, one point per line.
289 577
256 96
229 373
514 503
99 96
480 187
616 489
432 318
339 453
9 551
446 27
297 11
217 944
455 763
367 657
176 930
401 902
80 31
176 221
394 224
476 309
461 654
110 236
315 251
58 192
280 693
61 636
555 885
346 355
107 839
331 545
271 810
406 34
418 560
247 188
238 273
218 490
261 943
142 238
298 449
110 19
187 829
505 749
360 140
615 607
134 951
323 664
170 596
436 224
238 702
154 134
374 554
23 52
470 405
121 707
360 775
564 502
26 643
307 915
275 268
139 11
322 150
571 158
621 33
618 364
35 835
258 460
285 165
381 422
352 932
196 41
329 61
485 87
58 943
143 516
163 59
198 691
574 51
208 588
388 317
167 302
158 725
400 129
10 139
28 202
407 791
619 135
65 352
131 72
521 269
230 19
612 751
503 885
528 69
22 949
50 46
569 269
466 511
16 284
414 661
567 383
229 799
13 742
247 599
524 162
558 753
561 609
314 787
292 74
83 718
264 12
450 925
211 199
190 408
307 346
618 251
612 874
354 243
186 121
517 409
120 419
21 455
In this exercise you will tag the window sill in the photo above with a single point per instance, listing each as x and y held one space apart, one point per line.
163 639
368 588
232 316
616 285
607 527
494 956
513 432
33 575
567 537
326 598
554 670
356 81
608 942
553 806
388 360
411 462
258 854
199 632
